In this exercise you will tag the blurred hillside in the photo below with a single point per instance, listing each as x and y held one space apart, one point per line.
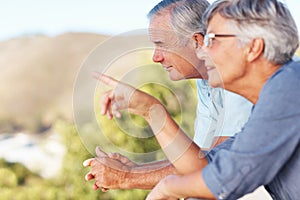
36 78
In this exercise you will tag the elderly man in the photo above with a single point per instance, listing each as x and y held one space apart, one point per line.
219 113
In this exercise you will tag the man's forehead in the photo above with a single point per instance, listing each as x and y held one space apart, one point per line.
161 20
158 33
159 26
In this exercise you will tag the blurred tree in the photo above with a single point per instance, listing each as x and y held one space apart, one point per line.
130 134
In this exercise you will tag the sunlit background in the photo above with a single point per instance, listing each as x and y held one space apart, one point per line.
54 17
42 45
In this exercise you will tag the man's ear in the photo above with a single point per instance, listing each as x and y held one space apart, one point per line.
256 49
198 38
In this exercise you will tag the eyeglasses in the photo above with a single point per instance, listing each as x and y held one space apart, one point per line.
208 37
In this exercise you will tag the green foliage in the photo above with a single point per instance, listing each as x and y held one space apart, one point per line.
130 133
18 183
8 178
71 179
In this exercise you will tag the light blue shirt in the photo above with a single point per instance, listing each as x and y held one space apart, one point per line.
219 113
296 58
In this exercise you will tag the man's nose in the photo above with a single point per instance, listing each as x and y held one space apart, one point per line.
157 55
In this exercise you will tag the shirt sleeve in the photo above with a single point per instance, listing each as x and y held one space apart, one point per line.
210 154
263 147
203 119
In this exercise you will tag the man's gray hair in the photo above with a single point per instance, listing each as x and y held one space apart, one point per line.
270 20
186 16
162 6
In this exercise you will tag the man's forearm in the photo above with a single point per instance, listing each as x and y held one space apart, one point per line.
181 151
153 166
218 140
179 186
146 176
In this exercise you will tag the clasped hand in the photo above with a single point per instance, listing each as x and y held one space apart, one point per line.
108 170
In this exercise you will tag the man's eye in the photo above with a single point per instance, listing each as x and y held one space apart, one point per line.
166 46
213 40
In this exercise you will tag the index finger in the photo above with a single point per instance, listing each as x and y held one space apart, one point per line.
107 80
99 152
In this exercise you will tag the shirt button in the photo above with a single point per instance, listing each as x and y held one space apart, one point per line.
222 195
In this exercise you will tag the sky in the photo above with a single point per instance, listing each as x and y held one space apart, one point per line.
53 17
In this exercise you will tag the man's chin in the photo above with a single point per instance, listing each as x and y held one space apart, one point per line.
175 76
215 84
172 78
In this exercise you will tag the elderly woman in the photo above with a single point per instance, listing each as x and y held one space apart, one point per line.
251 43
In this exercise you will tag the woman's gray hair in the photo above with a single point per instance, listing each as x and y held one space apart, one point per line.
186 16
270 20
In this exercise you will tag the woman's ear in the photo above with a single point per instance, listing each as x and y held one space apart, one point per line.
256 49
198 38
